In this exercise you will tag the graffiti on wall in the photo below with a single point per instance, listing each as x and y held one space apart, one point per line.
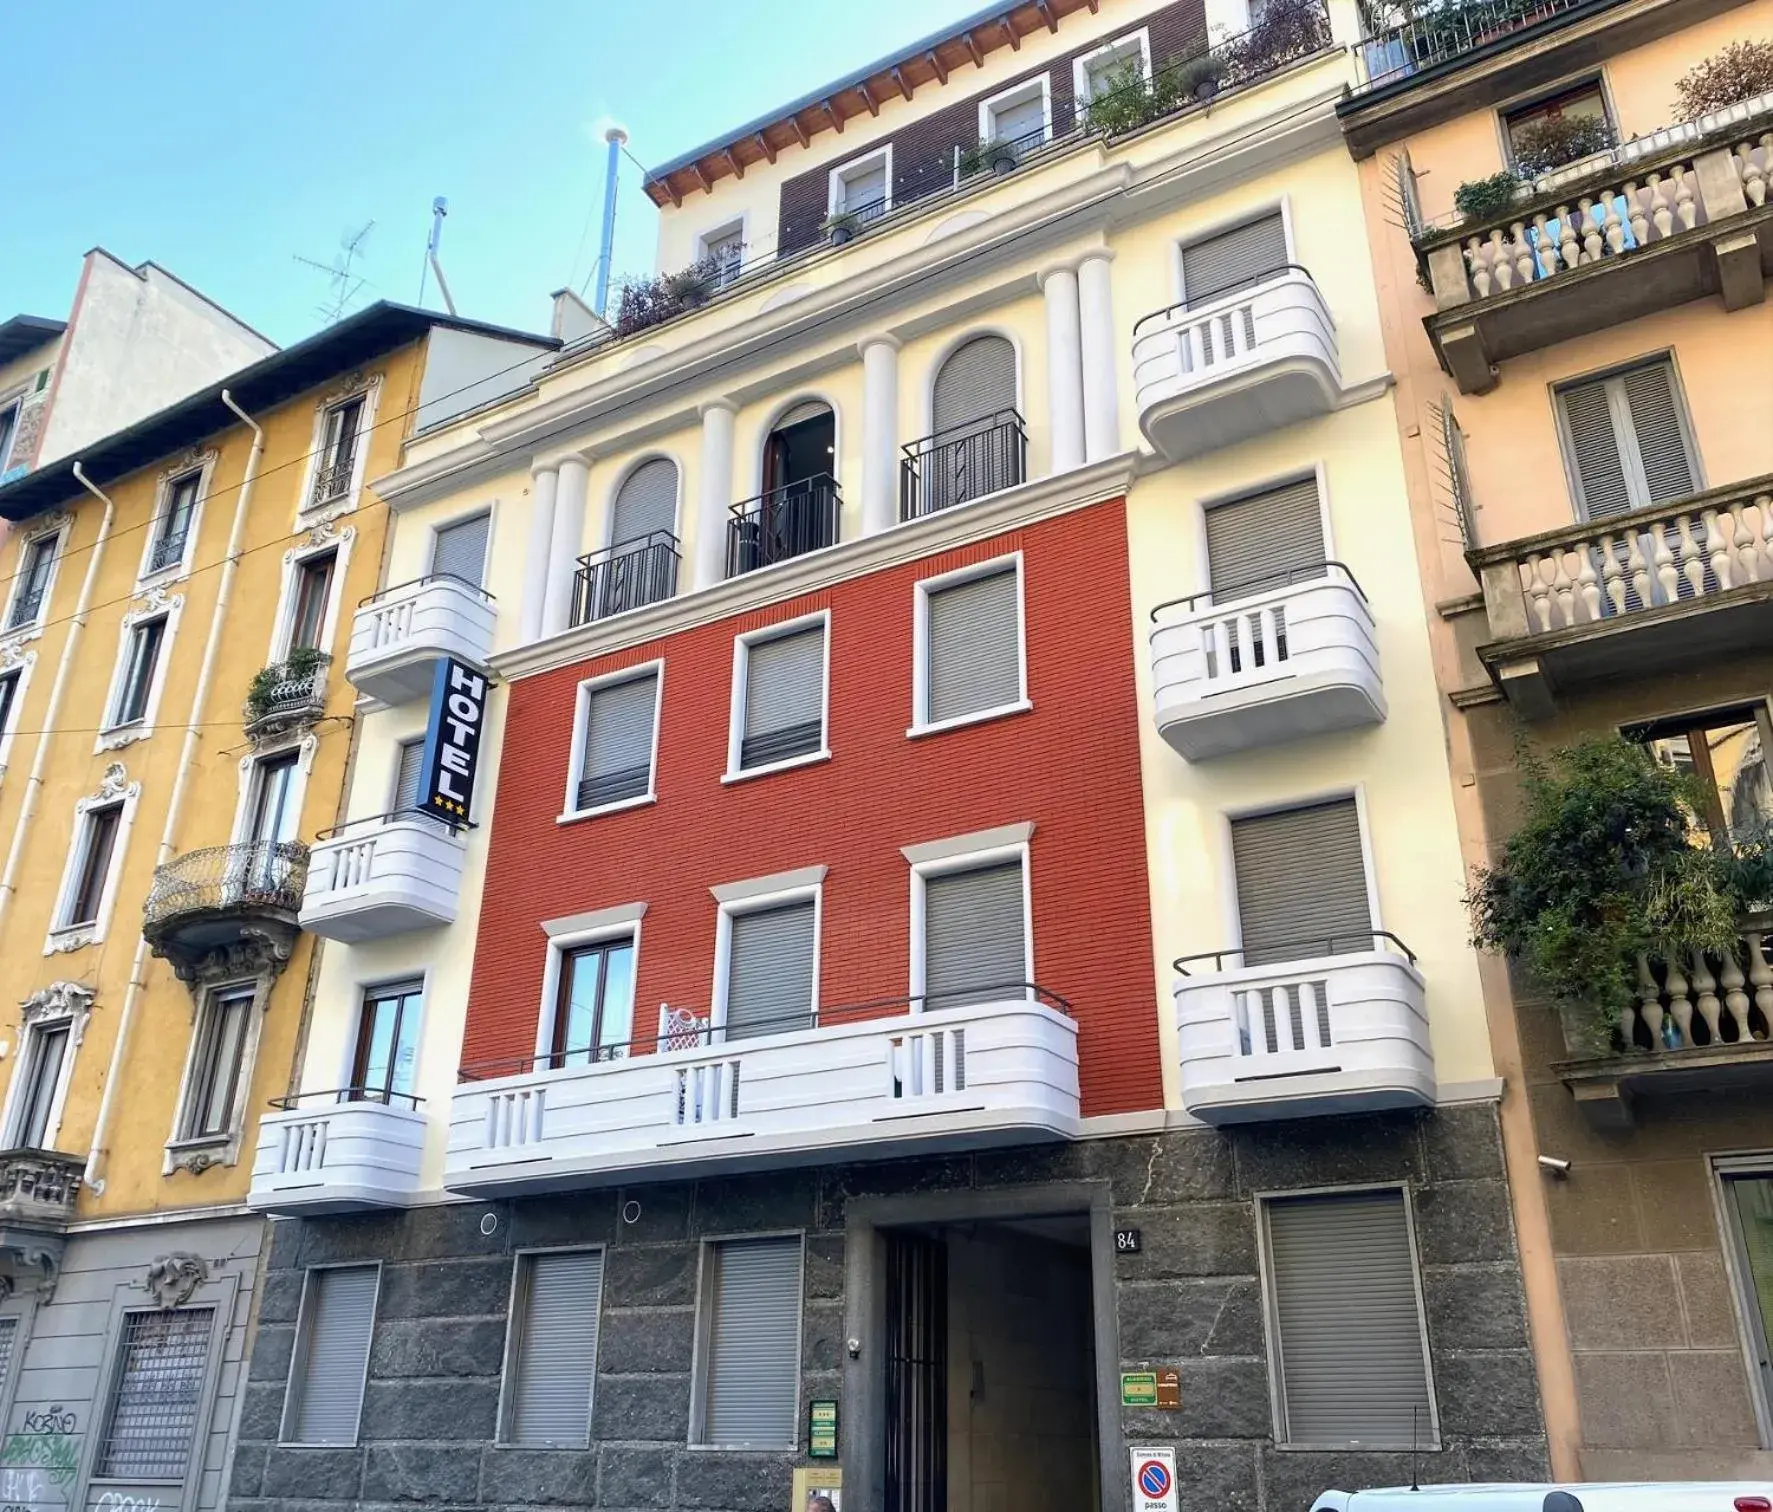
39 1463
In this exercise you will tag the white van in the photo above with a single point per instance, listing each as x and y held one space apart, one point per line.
1640 1496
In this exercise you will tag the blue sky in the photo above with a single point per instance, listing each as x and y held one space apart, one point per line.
223 139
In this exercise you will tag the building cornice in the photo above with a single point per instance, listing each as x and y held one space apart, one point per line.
1041 499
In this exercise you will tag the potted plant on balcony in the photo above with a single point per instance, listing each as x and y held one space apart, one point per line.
690 287
840 227
1552 142
1739 72
1480 199
1001 157
1198 79
262 693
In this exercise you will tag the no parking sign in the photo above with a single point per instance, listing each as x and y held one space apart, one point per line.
1154 1480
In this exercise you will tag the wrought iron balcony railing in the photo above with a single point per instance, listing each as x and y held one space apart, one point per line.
332 480
25 608
168 551
287 691
626 576
785 522
259 874
1406 38
962 463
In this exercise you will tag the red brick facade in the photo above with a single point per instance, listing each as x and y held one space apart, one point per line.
1070 766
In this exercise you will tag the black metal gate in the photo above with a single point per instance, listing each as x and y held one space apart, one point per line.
917 1374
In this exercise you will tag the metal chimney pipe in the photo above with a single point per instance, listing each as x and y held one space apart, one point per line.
616 137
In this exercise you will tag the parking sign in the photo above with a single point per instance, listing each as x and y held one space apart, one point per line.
1154 1480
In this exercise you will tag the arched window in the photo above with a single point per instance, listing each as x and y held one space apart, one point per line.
640 566
976 384
977 445
799 508
646 502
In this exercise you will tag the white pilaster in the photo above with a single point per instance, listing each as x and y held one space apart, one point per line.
543 483
717 492
880 432
1101 402
1064 369
567 544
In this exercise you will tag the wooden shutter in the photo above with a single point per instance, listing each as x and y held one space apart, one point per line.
976 382
326 1386
1627 447
1265 540
975 646
409 776
784 697
1656 427
975 936
554 1357
619 741
1301 883
1233 259
770 971
1353 1371
754 1344
152 1422
645 503
1595 455
459 550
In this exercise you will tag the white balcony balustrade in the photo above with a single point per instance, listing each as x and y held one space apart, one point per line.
399 636
383 876
338 1152
688 1103
1250 361
1297 659
1330 1034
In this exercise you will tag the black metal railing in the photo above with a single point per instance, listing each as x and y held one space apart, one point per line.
785 522
400 590
1405 38
1305 948
288 690
625 576
701 1034
333 479
293 1102
168 551
25 608
962 463
258 874
1230 593
442 821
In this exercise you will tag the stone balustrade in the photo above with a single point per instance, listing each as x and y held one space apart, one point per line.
1693 999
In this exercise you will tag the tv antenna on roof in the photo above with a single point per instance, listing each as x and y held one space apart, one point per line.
345 282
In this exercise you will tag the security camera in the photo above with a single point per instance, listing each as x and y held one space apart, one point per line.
1552 1164
855 1348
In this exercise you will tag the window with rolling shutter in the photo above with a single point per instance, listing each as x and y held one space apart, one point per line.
769 978
863 188
8 1342
973 631
784 698
976 382
1021 120
1233 259
1348 1324
1265 540
409 774
1301 883
151 1421
645 503
751 1383
552 1356
332 1356
618 761
975 935
1625 441
459 550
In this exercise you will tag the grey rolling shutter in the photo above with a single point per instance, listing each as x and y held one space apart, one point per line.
784 697
1596 458
1023 122
1233 259
975 936
770 971
1656 423
409 775
326 1387
555 1356
1301 883
1265 541
866 190
1351 1358
976 382
975 646
162 1360
619 742
459 550
645 503
754 1344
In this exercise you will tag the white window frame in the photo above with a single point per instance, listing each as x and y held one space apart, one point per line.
1218 226
204 467
31 628
759 895
1120 49
604 926
222 1148
1720 1168
921 723
284 1423
467 517
570 813
704 1343
964 853
283 626
305 750
838 180
363 989
115 734
21 670
735 736
307 509
65 1003
1317 471
741 225
113 793
516 1310
1040 86
1619 411
1431 1440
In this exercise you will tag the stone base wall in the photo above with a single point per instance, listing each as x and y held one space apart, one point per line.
1192 1299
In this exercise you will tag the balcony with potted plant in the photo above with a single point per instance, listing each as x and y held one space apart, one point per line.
287 694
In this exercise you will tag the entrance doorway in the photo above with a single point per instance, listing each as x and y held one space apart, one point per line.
990 1367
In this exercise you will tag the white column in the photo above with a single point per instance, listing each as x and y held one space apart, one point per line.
1101 403
880 432
717 492
1064 369
568 542
543 483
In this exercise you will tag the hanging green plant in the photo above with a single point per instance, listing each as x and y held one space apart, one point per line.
1481 199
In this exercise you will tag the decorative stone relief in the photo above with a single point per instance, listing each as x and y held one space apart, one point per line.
59 1000
173 1278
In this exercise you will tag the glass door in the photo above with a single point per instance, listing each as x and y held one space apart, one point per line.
1748 1200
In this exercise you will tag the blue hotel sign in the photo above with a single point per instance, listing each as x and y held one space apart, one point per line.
452 742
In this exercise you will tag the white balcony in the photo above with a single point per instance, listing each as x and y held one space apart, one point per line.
1250 361
383 876
952 1079
1338 1034
399 636
337 1157
1300 659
